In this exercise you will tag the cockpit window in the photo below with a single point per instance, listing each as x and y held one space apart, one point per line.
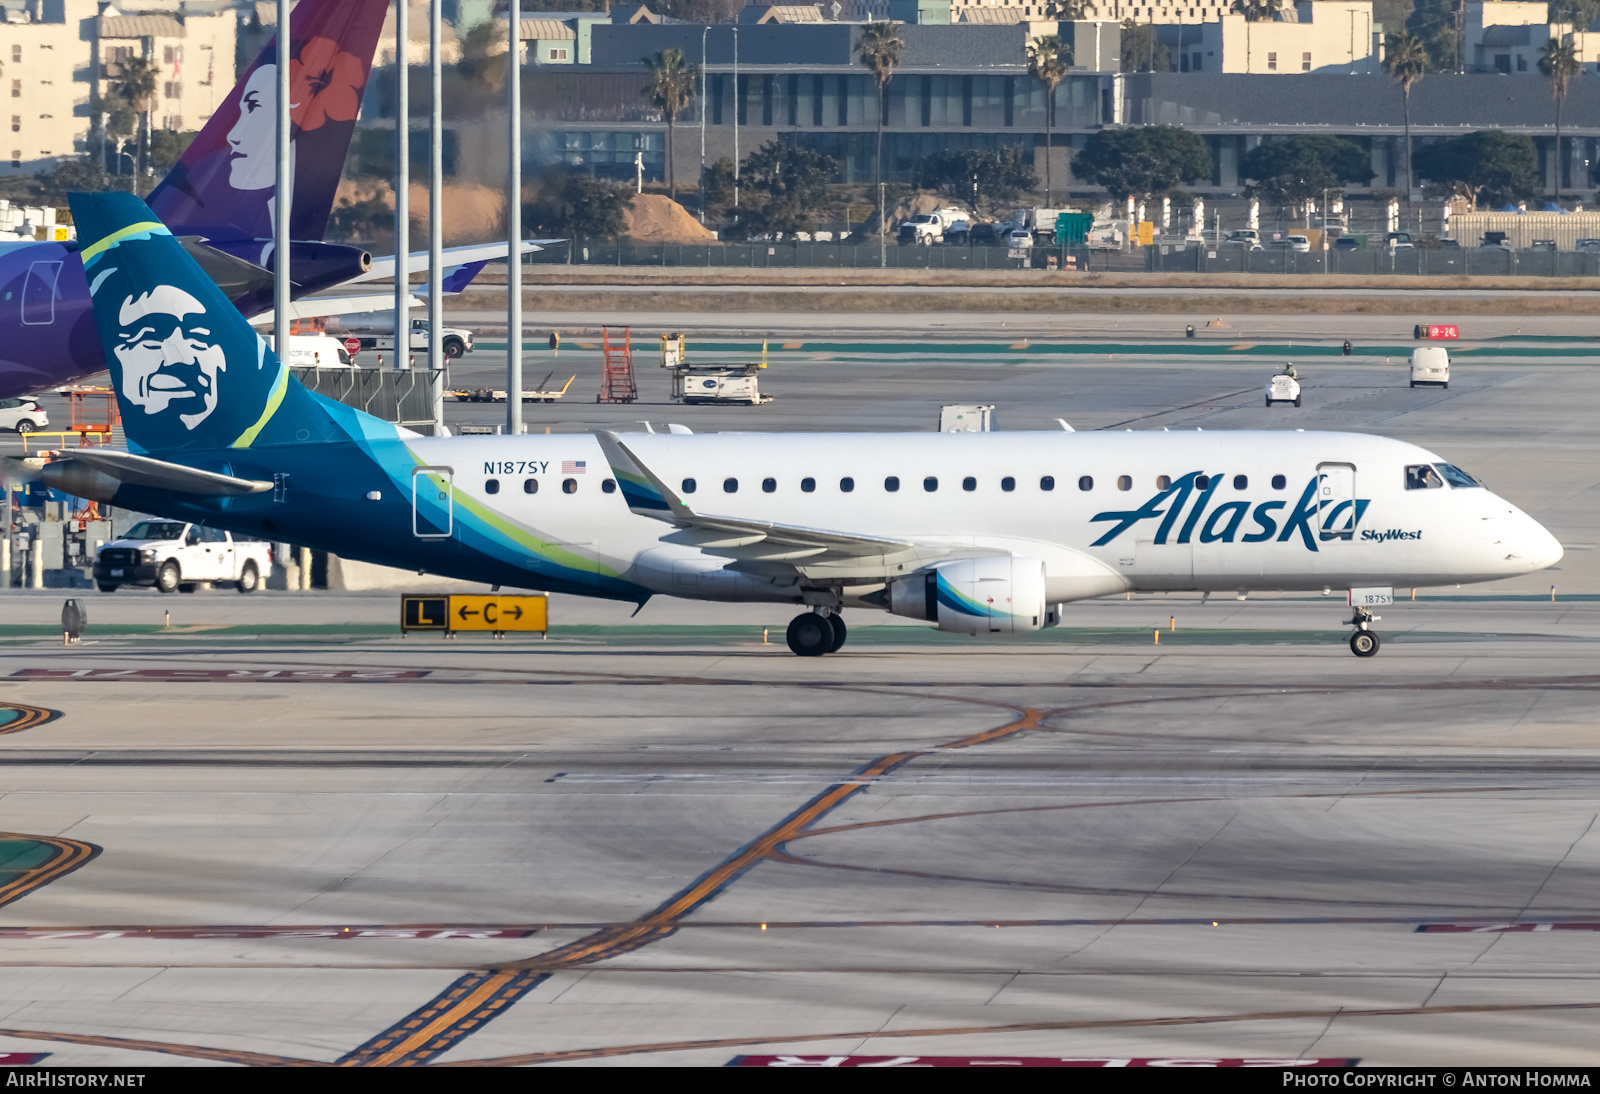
1455 476
1422 476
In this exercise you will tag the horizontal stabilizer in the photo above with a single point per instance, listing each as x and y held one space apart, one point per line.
317 307
384 266
97 473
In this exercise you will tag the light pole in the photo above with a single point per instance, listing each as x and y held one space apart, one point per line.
703 34
402 184
436 216
738 105
883 218
514 228
283 180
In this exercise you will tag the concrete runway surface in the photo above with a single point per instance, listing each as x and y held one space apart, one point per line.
276 832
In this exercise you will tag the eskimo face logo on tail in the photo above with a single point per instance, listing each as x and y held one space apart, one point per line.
169 361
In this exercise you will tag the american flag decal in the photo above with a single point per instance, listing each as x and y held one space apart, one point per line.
573 467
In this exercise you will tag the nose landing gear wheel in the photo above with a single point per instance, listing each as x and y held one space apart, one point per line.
1364 643
839 633
810 635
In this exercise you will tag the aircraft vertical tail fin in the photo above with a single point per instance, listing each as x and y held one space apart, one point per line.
222 187
189 372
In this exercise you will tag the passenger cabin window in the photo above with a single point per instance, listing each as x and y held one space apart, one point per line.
688 486
768 485
730 486
1422 476
1008 484
1163 482
1202 482
530 486
1047 482
808 485
1241 482
1279 482
969 483
491 486
609 486
1085 482
892 483
1124 482
930 484
847 484
1455 476
569 486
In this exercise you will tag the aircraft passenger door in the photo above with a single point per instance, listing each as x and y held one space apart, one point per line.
1336 501
433 502
39 294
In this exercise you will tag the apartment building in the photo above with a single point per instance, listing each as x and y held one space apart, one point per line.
1325 36
61 58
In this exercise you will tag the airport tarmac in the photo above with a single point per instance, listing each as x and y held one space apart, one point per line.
276 832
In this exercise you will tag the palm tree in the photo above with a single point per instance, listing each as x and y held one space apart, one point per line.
136 86
1048 58
1069 11
670 90
880 49
1405 59
1559 61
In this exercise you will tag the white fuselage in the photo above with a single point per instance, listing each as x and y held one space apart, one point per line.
1105 511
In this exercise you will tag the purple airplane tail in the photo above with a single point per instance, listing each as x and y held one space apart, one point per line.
222 188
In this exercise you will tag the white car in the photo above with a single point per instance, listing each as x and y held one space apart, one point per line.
23 415
1283 388
1298 244
1017 237
1430 365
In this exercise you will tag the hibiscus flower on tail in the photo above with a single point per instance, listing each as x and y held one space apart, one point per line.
325 85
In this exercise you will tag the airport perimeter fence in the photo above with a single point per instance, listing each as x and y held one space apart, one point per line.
1169 258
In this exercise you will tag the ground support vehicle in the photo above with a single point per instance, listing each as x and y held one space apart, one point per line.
939 226
1283 388
176 557
541 394
1430 366
315 351
457 340
736 384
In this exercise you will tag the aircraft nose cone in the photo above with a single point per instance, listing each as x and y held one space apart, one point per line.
1539 548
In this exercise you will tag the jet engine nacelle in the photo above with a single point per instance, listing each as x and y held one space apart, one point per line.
993 595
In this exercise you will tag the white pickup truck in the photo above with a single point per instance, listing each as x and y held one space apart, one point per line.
939 226
175 557
456 340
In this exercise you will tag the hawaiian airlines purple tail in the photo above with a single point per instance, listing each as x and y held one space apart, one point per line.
223 186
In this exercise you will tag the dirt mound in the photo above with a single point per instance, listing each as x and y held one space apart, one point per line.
656 218
472 213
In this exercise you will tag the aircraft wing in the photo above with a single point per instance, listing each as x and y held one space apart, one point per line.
384 266
311 307
767 547
97 473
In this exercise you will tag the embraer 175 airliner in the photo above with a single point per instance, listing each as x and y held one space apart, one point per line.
979 533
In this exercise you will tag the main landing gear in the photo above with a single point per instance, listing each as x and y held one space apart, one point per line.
1363 643
816 633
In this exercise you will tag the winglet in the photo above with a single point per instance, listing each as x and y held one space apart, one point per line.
646 494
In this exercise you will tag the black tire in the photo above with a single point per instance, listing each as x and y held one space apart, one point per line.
188 586
1269 402
1413 384
840 633
27 425
454 347
103 587
249 578
167 577
1364 643
810 635
1447 385
1297 402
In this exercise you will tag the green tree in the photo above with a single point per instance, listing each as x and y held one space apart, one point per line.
1144 161
1406 61
1489 166
719 187
670 90
1559 61
1142 50
1577 14
135 84
792 186
166 147
1069 11
701 11
976 177
1298 168
579 207
1048 60
880 50
1434 21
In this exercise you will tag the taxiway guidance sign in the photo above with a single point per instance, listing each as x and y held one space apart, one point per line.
496 613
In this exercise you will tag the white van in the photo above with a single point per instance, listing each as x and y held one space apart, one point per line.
1430 365
316 351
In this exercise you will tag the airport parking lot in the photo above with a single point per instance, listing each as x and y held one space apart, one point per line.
660 841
